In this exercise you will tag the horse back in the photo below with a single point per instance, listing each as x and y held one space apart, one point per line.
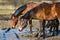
49 11
45 11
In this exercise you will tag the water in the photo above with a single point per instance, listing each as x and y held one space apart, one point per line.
14 34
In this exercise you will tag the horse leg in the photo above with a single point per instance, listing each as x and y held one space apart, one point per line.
57 27
53 31
30 23
43 25
39 33
57 30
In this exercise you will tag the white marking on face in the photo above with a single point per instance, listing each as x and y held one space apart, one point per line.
13 26
20 28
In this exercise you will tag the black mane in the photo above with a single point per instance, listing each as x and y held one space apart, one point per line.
19 10
27 15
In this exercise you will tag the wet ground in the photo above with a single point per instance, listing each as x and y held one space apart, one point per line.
14 34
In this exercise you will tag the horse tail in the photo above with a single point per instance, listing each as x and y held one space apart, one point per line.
19 10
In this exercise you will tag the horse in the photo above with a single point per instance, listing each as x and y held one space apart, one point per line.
21 11
44 11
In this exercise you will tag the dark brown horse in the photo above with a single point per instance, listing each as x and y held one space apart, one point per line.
21 11
44 11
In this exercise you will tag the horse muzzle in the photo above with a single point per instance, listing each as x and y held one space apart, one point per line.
13 27
22 27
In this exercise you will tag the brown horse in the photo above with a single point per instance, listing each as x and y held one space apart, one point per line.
21 11
44 11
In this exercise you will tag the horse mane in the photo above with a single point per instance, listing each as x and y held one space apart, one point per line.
22 8
27 15
19 10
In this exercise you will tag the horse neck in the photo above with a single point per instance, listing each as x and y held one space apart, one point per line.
29 7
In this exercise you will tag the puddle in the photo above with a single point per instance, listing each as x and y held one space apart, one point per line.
13 34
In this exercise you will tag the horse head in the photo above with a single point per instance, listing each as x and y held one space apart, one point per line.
14 20
23 24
